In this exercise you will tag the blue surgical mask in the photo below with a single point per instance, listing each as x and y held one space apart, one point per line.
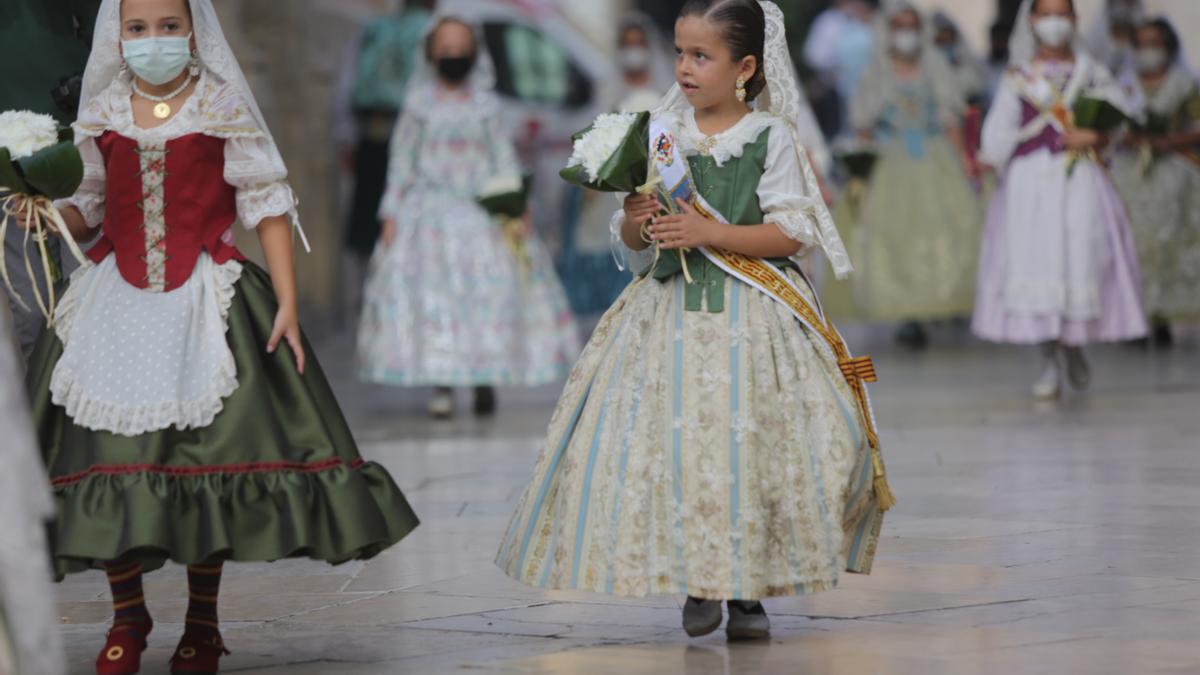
158 60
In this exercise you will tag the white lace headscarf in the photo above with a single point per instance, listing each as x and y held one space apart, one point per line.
1023 44
1022 51
424 76
215 55
1098 37
879 84
783 98
662 53
1181 80
104 63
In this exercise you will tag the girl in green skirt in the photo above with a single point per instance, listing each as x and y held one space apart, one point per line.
171 425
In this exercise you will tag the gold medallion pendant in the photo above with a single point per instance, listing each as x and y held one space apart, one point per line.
162 111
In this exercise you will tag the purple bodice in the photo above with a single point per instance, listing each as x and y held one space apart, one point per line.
1049 138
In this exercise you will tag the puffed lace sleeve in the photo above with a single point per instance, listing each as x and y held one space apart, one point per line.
261 183
89 197
1002 126
791 199
252 162
503 153
402 163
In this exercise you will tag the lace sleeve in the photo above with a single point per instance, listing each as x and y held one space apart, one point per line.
262 188
89 198
781 191
402 163
625 257
503 153
791 200
1001 127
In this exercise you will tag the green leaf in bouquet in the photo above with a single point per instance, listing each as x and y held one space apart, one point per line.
508 203
1155 125
626 169
66 134
1098 115
55 172
10 174
859 163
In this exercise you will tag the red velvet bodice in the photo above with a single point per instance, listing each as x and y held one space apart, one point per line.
164 205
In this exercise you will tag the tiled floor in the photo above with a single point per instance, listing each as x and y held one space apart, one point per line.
1029 539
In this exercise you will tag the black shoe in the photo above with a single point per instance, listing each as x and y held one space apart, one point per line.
485 400
912 335
1161 334
747 621
701 617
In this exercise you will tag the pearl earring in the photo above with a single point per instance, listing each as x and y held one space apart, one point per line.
741 89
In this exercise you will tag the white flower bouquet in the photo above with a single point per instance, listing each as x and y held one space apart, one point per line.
38 163
611 155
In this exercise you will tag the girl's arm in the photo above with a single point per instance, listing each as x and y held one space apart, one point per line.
402 168
690 230
1175 142
1002 127
788 195
275 235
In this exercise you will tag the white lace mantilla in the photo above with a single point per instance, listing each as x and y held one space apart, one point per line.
135 361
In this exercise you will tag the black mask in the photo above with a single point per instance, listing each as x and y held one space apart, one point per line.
456 68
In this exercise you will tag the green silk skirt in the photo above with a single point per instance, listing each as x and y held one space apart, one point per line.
276 475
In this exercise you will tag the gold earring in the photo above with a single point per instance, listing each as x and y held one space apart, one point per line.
741 89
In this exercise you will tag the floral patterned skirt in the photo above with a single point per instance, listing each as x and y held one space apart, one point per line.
449 303
715 454
914 240
1164 207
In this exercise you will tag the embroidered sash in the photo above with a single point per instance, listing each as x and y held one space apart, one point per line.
676 182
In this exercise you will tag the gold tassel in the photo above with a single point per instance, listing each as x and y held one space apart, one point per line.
883 492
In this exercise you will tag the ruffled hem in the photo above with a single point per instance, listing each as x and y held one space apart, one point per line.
327 511
644 587
92 413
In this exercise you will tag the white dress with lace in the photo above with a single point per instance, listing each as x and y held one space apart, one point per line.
142 360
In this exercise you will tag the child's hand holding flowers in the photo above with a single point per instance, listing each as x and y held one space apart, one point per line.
686 229
1084 139
639 208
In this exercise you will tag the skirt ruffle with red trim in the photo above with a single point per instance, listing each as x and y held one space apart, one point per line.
276 475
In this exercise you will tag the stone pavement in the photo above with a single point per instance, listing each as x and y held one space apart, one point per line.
1029 539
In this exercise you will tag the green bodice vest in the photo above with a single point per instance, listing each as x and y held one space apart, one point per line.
732 190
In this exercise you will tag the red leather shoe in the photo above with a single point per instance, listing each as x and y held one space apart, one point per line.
198 653
122 653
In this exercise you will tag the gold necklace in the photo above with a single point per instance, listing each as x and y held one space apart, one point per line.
163 109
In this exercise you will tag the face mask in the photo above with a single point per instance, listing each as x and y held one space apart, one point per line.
157 60
1054 31
634 59
455 69
906 42
1150 60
